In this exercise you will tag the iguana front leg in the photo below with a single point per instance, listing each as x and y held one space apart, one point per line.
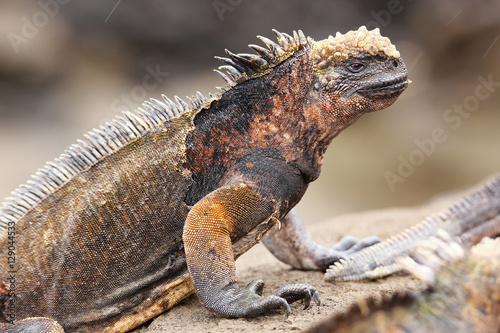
212 224
294 245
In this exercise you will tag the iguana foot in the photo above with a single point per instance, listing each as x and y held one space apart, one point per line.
33 325
321 258
345 248
236 302
294 245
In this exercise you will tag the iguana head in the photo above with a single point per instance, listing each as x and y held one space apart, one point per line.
361 70
296 95
358 72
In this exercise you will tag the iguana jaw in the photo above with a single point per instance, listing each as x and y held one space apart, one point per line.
385 87
384 78
382 91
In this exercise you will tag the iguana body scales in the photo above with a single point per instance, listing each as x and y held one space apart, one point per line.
160 202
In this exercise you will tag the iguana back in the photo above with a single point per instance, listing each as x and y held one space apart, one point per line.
115 227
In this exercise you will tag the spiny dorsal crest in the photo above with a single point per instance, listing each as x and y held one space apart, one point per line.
243 66
334 50
97 144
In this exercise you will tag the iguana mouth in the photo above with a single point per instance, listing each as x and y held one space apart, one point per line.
385 88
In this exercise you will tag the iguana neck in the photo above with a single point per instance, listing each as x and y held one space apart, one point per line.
306 119
275 114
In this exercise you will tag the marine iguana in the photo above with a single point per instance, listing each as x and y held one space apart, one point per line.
158 203
461 292
475 216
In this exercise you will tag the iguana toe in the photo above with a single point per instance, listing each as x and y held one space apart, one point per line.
33 325
256 286
300 291
350 244
264 305
344 249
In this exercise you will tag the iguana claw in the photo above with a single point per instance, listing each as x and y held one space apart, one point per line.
316 298
286 309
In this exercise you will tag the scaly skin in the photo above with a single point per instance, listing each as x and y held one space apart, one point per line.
476 216
160 202
463 295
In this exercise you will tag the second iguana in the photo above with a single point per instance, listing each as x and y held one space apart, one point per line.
160 202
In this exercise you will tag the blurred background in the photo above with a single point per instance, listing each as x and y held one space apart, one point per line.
68 66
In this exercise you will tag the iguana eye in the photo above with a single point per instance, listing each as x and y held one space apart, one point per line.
355 67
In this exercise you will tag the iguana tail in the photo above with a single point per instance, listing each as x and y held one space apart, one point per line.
475 216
